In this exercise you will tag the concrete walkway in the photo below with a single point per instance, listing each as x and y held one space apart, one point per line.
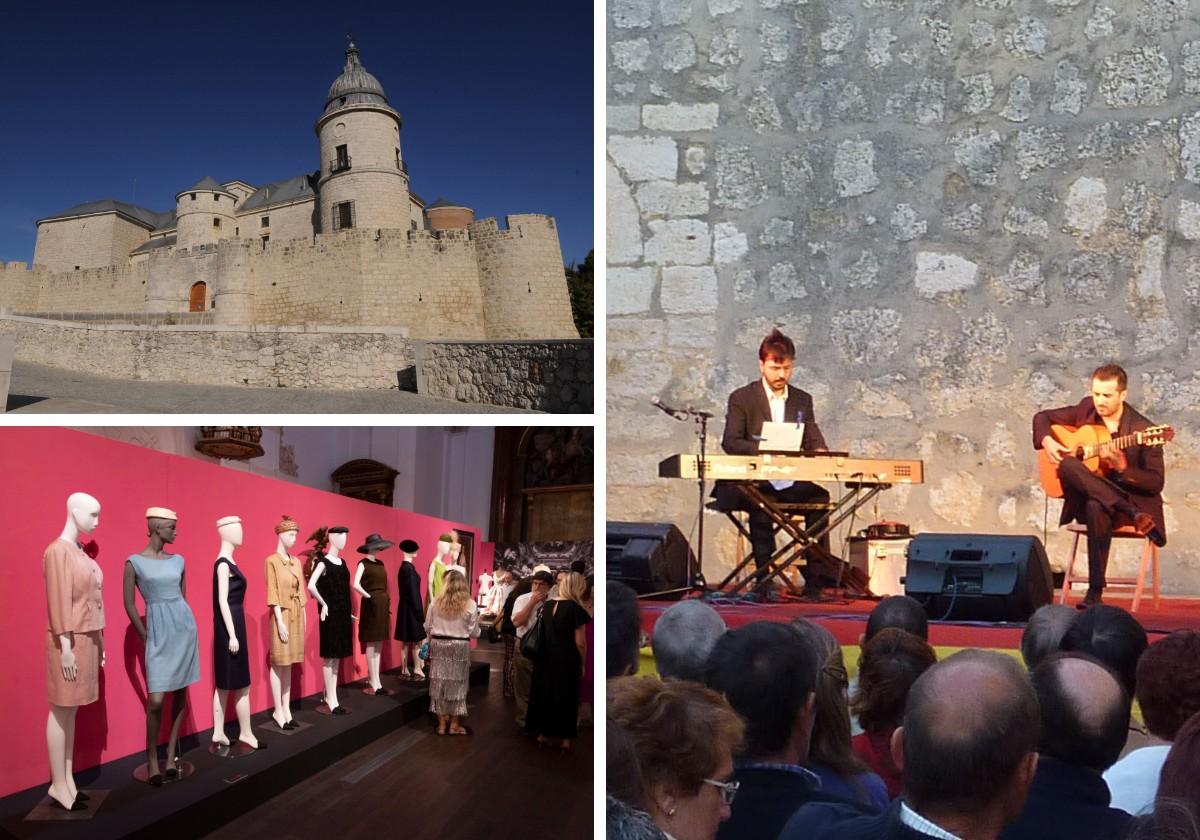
37 389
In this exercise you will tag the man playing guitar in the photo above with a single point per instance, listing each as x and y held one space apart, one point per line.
1127 493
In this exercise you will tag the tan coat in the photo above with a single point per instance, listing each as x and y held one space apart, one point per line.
285 589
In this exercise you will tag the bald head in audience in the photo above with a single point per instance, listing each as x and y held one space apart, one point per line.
1084 711
968 745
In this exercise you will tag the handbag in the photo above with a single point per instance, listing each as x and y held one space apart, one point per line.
534 643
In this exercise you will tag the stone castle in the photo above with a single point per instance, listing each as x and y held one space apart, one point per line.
350 244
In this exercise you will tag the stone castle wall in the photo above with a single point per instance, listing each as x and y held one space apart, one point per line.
87 242
551 376
287 222
264 357
522 278
431 284
107 289
956 210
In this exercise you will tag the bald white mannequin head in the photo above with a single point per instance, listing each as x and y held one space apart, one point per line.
83 516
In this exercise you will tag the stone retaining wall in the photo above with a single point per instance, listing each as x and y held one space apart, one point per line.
543 375
263 357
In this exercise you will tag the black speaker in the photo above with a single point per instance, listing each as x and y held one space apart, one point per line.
648 557
978 577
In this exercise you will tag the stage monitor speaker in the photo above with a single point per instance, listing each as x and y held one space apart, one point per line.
978 577
648 557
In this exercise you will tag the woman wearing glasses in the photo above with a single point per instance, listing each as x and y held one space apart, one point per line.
683 737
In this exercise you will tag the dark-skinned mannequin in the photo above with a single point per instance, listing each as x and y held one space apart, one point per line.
161 533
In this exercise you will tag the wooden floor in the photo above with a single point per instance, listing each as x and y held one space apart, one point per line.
494 784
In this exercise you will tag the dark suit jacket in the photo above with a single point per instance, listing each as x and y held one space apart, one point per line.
1067 802
1142 481
831 821
744 417
765 800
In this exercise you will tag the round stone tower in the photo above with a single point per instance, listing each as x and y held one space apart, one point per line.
364 181
204 214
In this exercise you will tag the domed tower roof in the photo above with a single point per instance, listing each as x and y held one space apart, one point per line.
355 85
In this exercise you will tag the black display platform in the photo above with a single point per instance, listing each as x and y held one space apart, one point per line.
223 788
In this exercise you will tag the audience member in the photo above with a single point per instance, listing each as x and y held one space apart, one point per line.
623 629
508 632
830 754
968 749
526 610
1044 632
1168 690
553 713
887 668
682 638
900 612
767 672
1177 806
452 622
1111 635
1084 715
683 736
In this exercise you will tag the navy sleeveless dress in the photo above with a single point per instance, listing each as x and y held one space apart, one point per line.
232 671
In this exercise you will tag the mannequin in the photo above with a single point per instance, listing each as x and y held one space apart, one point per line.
486 582
330 585
172 655
370 580
455 551
410 623
437 569
74 643
286 597
231 658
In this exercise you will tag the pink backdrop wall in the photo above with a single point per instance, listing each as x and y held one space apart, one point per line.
42 466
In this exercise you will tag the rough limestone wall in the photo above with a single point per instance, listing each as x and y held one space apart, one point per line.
301 282
542 375
291 221
324 357
88 242
522 277
428 282
956 209
109 289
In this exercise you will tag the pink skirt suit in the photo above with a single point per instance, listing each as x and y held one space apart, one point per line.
76 606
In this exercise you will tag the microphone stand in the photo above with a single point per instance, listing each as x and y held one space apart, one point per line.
696 566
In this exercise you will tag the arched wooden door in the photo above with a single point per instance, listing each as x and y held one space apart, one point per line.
196 299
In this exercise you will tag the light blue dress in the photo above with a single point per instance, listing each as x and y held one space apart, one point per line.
172 655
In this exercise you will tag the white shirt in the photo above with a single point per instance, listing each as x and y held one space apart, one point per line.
918 823
1133 781
778 406
518 605
498 596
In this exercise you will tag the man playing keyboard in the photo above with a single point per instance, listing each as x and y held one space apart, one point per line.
772 399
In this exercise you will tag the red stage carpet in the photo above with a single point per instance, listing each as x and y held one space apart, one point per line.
848 619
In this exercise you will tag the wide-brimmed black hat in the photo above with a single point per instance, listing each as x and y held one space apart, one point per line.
409 546
373 544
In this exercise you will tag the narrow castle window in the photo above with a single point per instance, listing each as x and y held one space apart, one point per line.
193 196
397 158
343 215
216 222
265 221
265 240
216 197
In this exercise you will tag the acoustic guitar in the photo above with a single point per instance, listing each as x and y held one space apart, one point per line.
1088 444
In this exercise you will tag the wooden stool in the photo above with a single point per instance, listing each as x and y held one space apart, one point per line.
1137 584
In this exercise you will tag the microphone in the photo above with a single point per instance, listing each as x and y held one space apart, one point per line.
672 412
799 417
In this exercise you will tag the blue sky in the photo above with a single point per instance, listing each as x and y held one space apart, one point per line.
139 101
